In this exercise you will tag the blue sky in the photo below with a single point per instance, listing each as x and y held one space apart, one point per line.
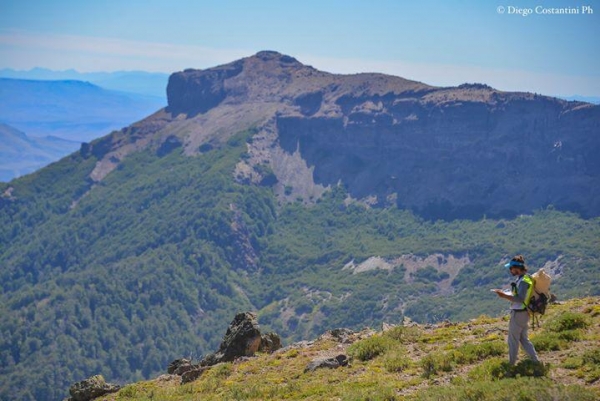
438 42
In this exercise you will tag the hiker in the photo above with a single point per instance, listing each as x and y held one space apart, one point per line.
519 296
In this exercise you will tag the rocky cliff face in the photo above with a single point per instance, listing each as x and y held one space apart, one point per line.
460 152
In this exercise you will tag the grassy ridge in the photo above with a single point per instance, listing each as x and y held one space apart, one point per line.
419 362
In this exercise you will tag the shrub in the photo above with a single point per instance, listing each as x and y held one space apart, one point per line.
396 361
572 363
591 365
404 334
568 321
529 368
434 363
498 368
429 366
128 391
292 353
570 335
222 370
469 353
548 342
491 369
592 356
371 347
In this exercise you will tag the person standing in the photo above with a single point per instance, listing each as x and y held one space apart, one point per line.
519 296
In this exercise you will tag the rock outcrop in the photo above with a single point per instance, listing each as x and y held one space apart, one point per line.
330 363
91 388
269 342
193 374
180 366
187 370
198 91
242 338
341 335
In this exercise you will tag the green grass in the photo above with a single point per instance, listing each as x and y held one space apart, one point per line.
521 389
462 363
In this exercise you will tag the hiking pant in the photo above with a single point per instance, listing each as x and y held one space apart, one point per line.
517 334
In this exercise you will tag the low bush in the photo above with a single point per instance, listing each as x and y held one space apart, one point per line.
548 342
499 368
592 357
528 368
432 364
573 362
128 391
469 353
590 369
222 370
396 361
371 347
404 334
429 366
571 335
465 354
491 369
568 321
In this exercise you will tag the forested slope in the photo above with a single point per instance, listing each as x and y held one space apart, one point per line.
122 276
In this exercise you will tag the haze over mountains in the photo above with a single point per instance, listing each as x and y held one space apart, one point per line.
20 154
140 82
56 116
317 200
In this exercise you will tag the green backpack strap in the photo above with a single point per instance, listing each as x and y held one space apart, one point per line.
531 282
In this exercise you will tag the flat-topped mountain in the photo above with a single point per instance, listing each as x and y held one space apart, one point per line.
458 152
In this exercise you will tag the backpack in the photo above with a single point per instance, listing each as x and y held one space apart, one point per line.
541 295
538 304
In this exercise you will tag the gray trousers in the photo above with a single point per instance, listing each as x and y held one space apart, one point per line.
517 334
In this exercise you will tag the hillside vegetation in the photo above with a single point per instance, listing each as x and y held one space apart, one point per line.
122 276
446 361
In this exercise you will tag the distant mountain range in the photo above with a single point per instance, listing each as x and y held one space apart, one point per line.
143 82
74 110
67 112
20 154
577 98
140 82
